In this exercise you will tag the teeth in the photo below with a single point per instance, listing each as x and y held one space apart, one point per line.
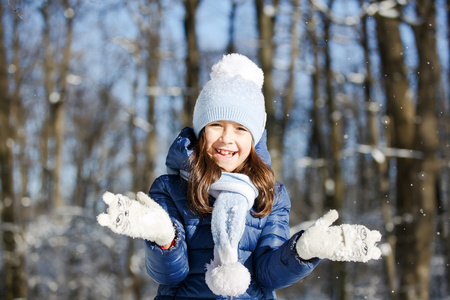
224 152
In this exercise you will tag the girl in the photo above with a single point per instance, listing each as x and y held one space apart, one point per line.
221 228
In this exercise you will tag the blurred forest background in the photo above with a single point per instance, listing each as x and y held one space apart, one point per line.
93 92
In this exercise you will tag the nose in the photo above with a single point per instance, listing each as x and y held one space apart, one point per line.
227 135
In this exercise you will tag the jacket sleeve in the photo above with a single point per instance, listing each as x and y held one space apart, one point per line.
169 266
276 261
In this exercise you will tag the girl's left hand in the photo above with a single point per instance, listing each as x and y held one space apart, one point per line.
339 243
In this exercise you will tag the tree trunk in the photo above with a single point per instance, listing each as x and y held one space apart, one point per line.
382 167
400 111
317 147
13 262
335 121
49 86
58 123
446 106
289 99
135 288
426 140
416 193
192 62
143 173
152 71
266 24
19 116
231 48
55 84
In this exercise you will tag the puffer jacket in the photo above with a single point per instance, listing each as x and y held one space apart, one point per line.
265 247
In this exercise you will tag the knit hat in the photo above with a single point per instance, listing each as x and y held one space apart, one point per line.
233 94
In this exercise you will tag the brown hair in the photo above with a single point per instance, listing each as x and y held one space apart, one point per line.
204 172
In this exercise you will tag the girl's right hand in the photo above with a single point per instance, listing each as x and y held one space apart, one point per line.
143 218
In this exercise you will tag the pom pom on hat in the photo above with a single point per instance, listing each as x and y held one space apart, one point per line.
233 94
236 64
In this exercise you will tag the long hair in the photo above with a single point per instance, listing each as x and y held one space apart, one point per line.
204 172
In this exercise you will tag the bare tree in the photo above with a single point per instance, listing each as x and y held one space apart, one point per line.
335 122
421 201
416 180
289 98
19 115
55 75
13 262
106 139
317 147
380 167
192 61
149 30
266 16
446 134
147 15
231 48
400 112
91 119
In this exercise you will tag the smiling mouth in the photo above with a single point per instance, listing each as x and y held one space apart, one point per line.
225 152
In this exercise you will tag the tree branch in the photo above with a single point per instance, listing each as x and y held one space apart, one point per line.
17 11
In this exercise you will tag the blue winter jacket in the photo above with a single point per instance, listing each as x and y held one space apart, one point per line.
265 248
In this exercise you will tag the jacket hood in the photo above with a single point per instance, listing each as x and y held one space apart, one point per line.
178 157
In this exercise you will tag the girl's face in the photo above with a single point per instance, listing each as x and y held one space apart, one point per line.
228 143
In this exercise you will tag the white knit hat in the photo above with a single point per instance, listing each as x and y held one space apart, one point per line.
233 94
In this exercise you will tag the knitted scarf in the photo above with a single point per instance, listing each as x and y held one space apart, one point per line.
235 195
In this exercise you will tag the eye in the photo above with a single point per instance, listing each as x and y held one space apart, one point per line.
119 219
363 233
127 213
120 205
365 249
242 129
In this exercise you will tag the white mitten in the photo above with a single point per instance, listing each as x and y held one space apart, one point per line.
143 218
339 243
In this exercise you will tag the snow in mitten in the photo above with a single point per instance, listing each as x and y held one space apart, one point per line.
338 243
235 195
143 218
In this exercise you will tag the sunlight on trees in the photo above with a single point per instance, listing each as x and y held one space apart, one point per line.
93 93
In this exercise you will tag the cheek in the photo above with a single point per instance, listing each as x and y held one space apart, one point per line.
209 141
246 148
248 142
209 148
